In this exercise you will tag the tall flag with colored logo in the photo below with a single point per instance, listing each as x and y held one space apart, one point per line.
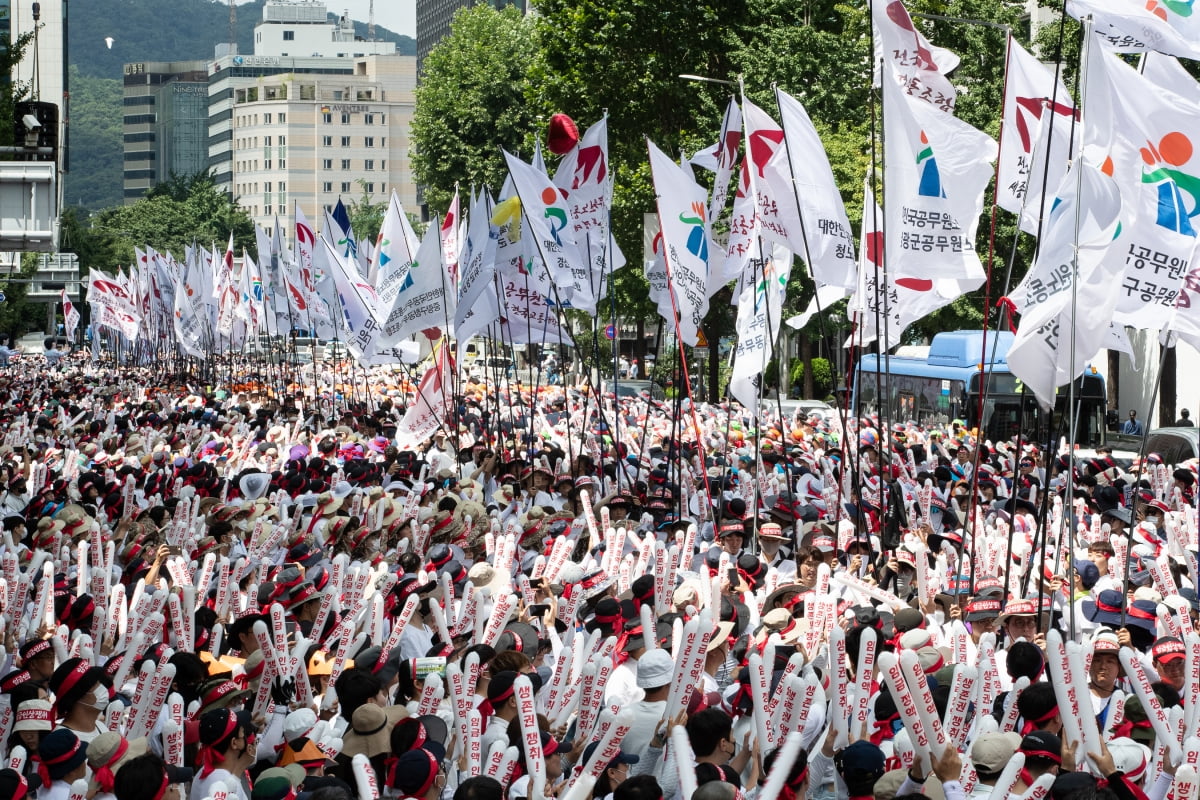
546 210
884 308
1139 26
70 315
683 215
912 62
759 310
1078 233
1148 135
425 300
1037 108
583 175
937 169
394 254
828 245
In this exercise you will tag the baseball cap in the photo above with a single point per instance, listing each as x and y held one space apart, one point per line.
992 751
1168 648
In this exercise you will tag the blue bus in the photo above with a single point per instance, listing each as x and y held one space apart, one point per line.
944 385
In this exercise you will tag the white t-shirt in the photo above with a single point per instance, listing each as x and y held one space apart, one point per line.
204 787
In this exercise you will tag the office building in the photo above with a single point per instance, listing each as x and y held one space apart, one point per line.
165 123
434 18
311 136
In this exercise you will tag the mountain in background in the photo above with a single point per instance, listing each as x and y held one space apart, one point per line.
142 30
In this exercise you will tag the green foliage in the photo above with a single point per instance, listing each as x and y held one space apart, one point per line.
470 102
94 178
11 92
182 211
169 30
822 375
366 217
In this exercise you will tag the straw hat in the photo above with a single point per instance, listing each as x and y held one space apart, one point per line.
370 731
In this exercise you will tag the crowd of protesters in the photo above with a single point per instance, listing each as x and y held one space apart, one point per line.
242 590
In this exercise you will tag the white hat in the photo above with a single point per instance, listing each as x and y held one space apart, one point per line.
299 723
655 669
33 715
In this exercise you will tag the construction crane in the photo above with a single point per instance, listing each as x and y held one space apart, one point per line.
371 22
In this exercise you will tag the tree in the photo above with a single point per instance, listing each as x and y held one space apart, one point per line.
182 211
366 217
11 92
471 102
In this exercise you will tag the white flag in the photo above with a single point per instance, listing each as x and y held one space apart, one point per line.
1037 108
478 304
937 169
759 310
70 315
914 64
425 299
1146 132
683 213
828 243
1138 26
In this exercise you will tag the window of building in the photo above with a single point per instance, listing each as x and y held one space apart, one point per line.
345 141
383 141
266 186
345 163
283 163
308 92
327 117
345 186
345 118
267 164
327 141
282 141
368 141
267 140
383 188
327 163
369 164
368 119
327 187
383 119
370 188
383 165
337 94
283 119
266 119
289 36
282 187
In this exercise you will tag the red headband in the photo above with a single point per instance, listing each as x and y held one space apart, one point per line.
104 773
162 789
433 771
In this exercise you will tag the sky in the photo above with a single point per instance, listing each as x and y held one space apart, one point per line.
395 15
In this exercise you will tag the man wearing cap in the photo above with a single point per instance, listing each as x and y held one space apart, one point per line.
1103 674
1019 620
990 754
771 544
1168 654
